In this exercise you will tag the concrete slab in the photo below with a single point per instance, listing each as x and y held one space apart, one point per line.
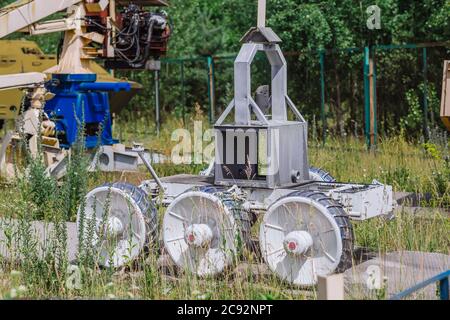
41 231
389 274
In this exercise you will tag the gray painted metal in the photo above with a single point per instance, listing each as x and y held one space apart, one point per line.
282 143
266 154
261 35
114 158
261 13
140 152
360 202
242 82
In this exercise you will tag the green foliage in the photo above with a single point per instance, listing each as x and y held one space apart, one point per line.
432 150
441 179
40 188
413 120
75 183
306 26
400 178
405 232
48 197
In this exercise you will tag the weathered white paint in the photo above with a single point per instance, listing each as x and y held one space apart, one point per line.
18 16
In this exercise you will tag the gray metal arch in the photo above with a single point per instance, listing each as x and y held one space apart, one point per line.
242 82
243 102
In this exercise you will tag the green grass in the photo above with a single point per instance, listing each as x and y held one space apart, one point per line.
406 166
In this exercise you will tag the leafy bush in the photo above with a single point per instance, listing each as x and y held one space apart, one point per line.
412 122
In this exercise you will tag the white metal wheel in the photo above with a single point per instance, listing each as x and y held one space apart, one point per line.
300 240
114 224
199 233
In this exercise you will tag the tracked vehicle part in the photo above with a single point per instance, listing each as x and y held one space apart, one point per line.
204 229
317 174
123 220
304 235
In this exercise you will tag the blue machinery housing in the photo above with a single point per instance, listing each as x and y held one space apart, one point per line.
80 100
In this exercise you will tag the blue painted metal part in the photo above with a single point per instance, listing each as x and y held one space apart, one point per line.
443 285
79 99
105 86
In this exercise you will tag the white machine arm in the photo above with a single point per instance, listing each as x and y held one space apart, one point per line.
25 13
21 80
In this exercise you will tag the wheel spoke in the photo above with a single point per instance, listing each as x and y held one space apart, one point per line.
329 256
177 216
274 227
175 239
275 251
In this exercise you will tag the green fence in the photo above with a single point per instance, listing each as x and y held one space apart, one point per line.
370 84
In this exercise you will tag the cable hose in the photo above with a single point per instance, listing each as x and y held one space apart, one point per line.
147 48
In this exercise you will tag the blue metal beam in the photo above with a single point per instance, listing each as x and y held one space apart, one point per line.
442 278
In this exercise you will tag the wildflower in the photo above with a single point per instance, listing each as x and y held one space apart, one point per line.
22 289
15 273
13 293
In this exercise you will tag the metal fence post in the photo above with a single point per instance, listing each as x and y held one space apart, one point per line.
374 111
322 96
367 94
443 288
